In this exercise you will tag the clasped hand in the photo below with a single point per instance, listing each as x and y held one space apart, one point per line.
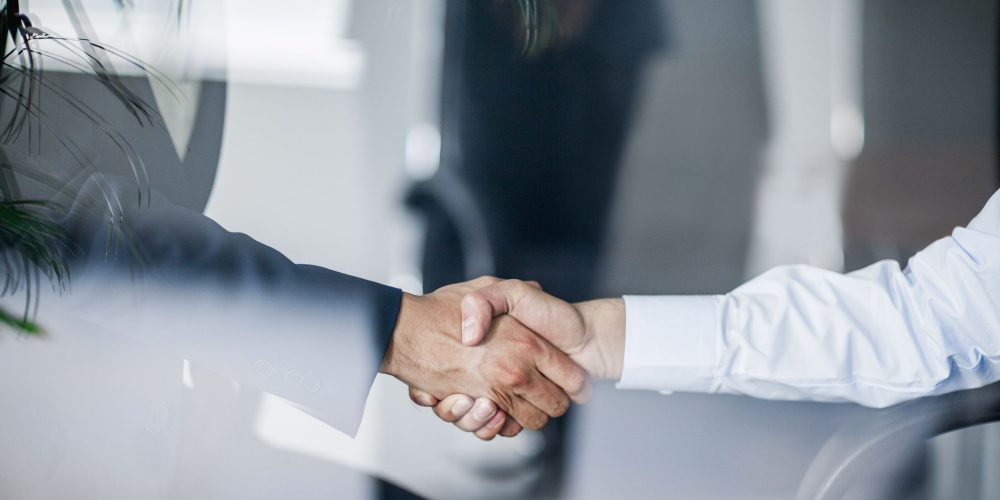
495 356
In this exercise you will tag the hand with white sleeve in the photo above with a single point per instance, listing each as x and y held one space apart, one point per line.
592 334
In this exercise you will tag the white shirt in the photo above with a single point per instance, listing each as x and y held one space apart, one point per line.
877 336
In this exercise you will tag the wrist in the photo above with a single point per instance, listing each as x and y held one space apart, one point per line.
604 322
396 359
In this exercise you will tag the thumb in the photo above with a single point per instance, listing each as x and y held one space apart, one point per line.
479 309
551 318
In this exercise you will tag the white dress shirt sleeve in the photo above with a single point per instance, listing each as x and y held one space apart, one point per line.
877 336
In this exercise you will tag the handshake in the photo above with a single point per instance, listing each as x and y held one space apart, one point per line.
495 356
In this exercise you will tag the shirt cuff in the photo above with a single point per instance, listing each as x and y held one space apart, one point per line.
670 343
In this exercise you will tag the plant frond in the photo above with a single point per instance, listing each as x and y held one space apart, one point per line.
22 82
20 324
33 246
27 229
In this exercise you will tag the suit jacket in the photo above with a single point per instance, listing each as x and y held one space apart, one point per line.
176 280
219 299
162 361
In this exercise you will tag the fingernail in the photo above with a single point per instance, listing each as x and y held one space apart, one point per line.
467 330
482 410
461 407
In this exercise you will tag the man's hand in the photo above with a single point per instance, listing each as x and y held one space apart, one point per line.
524 375
591 333
480 416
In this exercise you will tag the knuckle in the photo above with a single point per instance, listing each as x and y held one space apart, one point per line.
512 379
486 280
535 348
511 431
422 398
443 415
515 376
527 345
561 407
536 422
519 287
509 373
576 384
527 350
472 298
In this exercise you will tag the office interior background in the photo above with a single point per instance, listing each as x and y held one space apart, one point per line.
834 133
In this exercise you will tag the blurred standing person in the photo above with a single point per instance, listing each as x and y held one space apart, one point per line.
812 74
537 101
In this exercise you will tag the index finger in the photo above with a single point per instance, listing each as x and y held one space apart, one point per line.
569 376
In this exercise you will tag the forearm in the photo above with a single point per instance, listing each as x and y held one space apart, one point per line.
228 303
877 337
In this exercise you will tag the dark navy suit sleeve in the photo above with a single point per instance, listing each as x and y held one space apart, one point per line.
174 278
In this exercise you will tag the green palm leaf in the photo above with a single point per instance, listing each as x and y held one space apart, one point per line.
33 247
19 324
